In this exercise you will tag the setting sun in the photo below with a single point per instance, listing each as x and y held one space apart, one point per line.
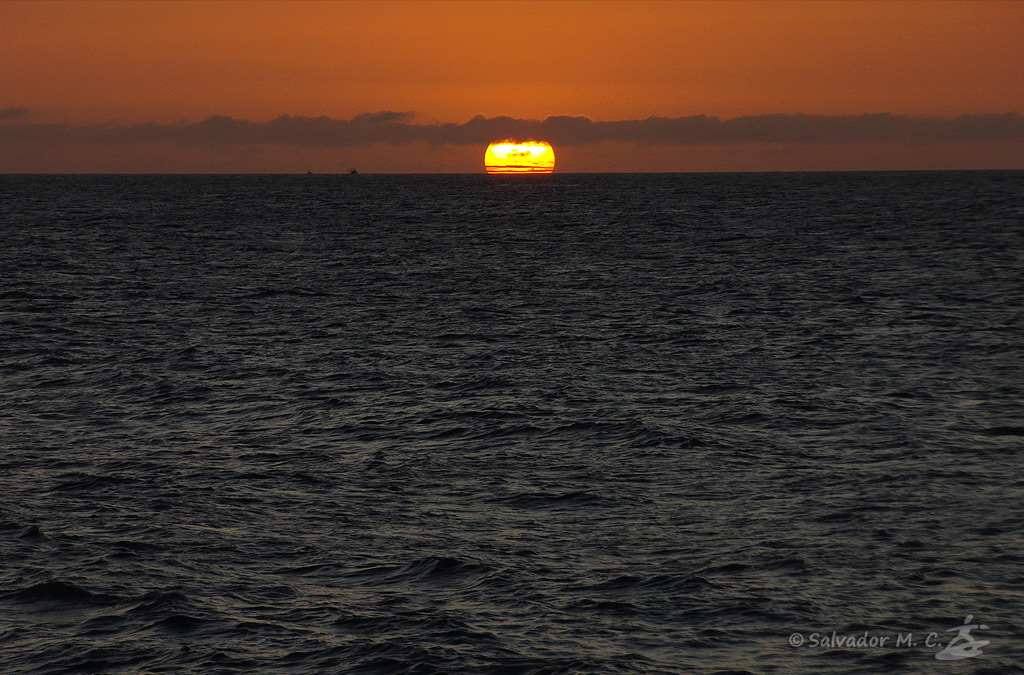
512 157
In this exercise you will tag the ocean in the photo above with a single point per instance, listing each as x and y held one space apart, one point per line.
646 423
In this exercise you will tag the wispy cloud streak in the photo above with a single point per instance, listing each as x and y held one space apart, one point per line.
398 128
13 113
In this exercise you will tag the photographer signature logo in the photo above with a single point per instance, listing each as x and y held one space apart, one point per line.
963 645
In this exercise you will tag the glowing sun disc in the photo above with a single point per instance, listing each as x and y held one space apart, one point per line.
513 157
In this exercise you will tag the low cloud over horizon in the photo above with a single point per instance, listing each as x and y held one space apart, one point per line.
397 128
13 113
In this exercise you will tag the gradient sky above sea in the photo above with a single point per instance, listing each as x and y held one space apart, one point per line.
423 86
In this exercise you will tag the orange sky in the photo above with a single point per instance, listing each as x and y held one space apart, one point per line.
81 63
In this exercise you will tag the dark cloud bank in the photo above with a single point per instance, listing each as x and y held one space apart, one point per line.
12 113
399 128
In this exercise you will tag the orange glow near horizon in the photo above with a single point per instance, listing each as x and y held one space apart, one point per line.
133 62
512 157
72 69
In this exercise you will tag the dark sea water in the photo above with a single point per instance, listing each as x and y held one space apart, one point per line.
484 424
